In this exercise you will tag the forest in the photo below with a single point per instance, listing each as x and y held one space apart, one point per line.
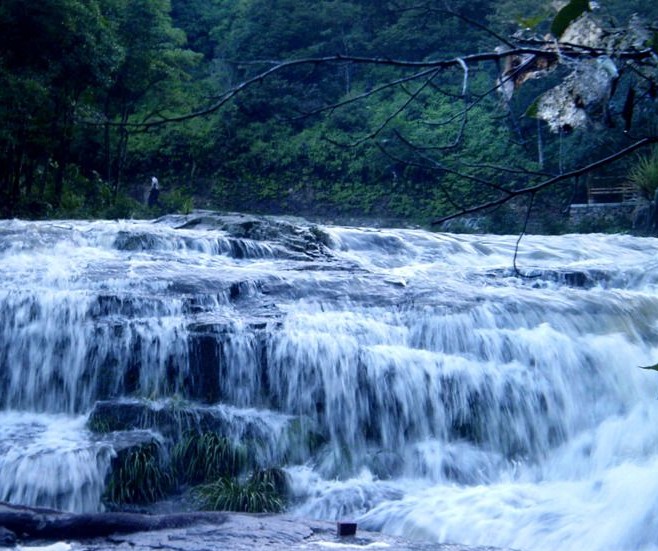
408 111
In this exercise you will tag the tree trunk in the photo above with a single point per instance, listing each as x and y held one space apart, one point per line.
37 523
122 151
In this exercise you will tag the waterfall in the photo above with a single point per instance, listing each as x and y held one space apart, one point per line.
408 379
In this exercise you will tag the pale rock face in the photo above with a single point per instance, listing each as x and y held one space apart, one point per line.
559 111
557 5
582 97
584 31
583 92
637 35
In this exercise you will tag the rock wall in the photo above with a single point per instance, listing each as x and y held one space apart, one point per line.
638 218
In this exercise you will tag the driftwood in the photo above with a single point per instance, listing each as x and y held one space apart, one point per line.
39 523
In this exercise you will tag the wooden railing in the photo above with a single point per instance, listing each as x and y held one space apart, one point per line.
614 192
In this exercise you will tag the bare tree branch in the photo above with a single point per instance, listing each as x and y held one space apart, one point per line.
507 169
392 116
432 66
332 107
531 202
436 166
550 182
441 187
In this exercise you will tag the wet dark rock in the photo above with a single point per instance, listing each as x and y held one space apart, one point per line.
197 532
208 361
172 418
204 355
127 306
644 218
298 239
128 241
169 418
585 279
7 537
37 523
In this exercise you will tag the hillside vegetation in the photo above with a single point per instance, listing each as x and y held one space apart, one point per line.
99 96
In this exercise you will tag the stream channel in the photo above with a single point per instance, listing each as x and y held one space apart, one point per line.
411 381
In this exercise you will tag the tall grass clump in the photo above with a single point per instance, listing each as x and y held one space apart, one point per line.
204 457
644 173
263 492
138 476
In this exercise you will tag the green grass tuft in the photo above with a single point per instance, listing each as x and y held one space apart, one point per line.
263 492
138 476
202 457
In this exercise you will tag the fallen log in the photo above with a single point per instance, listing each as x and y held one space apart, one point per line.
41 523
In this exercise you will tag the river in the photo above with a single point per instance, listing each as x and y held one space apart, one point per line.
453 398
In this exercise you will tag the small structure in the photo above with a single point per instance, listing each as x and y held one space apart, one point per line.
611 189
345 528
605 201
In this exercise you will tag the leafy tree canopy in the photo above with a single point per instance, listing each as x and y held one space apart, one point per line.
404 109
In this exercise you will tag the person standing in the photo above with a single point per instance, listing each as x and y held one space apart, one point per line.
154 192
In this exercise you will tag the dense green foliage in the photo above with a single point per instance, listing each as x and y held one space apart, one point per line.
217 473
85 86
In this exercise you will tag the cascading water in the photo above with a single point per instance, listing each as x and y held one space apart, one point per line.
448 398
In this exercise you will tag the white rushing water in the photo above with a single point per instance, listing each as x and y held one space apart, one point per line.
452 399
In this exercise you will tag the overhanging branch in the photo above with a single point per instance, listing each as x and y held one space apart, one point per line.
513 194
571 52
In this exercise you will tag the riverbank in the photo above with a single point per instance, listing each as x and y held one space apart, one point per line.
226 531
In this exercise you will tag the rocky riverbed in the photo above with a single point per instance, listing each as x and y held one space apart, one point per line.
242 532
446 388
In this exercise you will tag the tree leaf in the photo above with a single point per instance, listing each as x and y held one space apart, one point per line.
531 22
567 15
533 110
652 367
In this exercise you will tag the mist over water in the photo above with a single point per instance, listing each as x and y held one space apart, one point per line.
450 399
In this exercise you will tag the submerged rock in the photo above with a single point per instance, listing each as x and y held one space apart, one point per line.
295 239
171 418
270 438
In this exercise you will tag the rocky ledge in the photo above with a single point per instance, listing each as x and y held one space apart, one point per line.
57 531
